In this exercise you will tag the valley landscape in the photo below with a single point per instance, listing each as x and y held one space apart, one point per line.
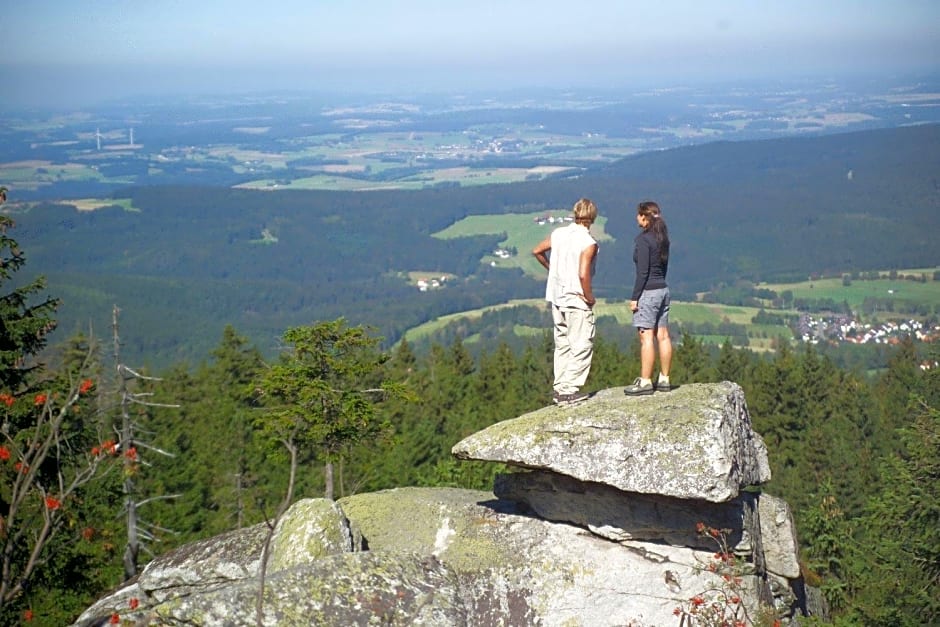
268 265
236 211
332 141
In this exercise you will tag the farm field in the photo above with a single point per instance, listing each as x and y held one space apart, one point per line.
381 159
429 328
924 291
681 312
331 178
523 231
91 204
32 175
344 142
761 337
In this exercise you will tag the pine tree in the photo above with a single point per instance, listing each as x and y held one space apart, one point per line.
220 491
691 362
732 364
25 322
317 400
898 578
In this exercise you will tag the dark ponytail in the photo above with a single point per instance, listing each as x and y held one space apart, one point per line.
657 226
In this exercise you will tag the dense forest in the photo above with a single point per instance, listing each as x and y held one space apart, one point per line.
103 466
189 260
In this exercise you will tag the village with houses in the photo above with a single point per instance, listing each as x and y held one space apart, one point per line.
431 283
843 328
550 219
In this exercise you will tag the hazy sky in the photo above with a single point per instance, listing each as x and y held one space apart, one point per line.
77 50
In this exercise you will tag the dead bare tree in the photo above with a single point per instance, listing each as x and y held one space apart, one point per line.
137 529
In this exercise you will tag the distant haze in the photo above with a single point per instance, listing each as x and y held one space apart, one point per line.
65 53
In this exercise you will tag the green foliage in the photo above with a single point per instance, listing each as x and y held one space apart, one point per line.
219 491
24 323
692 361
899 582
55 505
826 557
869 534
317 400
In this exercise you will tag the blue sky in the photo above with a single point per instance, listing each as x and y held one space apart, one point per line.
57 51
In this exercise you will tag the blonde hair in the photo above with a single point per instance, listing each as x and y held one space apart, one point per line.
585 211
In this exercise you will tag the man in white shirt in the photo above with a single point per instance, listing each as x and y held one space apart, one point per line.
569 254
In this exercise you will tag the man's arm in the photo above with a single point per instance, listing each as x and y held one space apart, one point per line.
541 249
585 265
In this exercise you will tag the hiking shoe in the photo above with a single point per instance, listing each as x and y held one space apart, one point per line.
663 386
573 398
638 389
557 397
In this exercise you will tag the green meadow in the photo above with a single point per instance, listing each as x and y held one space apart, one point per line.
524 234
32 175
898 289
760 335
432 326
522 231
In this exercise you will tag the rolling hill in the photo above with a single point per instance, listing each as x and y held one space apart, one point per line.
182 262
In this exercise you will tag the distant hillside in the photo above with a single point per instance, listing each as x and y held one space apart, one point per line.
785 209
188 260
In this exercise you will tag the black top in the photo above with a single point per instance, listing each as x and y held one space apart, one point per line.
650 269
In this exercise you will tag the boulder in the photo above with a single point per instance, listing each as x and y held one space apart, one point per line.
617 515
437 557
695 442
310 529
781 548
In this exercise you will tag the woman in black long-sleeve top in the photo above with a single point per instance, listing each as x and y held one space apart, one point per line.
650 299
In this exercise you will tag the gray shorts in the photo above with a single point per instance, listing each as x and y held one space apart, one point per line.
652 309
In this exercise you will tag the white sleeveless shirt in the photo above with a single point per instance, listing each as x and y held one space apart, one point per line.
563 287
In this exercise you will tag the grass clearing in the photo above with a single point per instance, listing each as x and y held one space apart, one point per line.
34 174
899 289
432 326
523 231
762 336
92 204
692 313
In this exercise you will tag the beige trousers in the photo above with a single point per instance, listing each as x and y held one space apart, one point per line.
574 347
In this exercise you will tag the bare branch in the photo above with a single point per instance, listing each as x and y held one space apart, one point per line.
155 449
132 399
122 369
158 498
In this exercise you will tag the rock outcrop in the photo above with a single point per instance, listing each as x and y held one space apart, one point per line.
601 524
695 444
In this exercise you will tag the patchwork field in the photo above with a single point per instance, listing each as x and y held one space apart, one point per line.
31 175
681 312
761 337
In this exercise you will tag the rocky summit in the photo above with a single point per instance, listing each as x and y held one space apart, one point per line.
693 443
617 511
